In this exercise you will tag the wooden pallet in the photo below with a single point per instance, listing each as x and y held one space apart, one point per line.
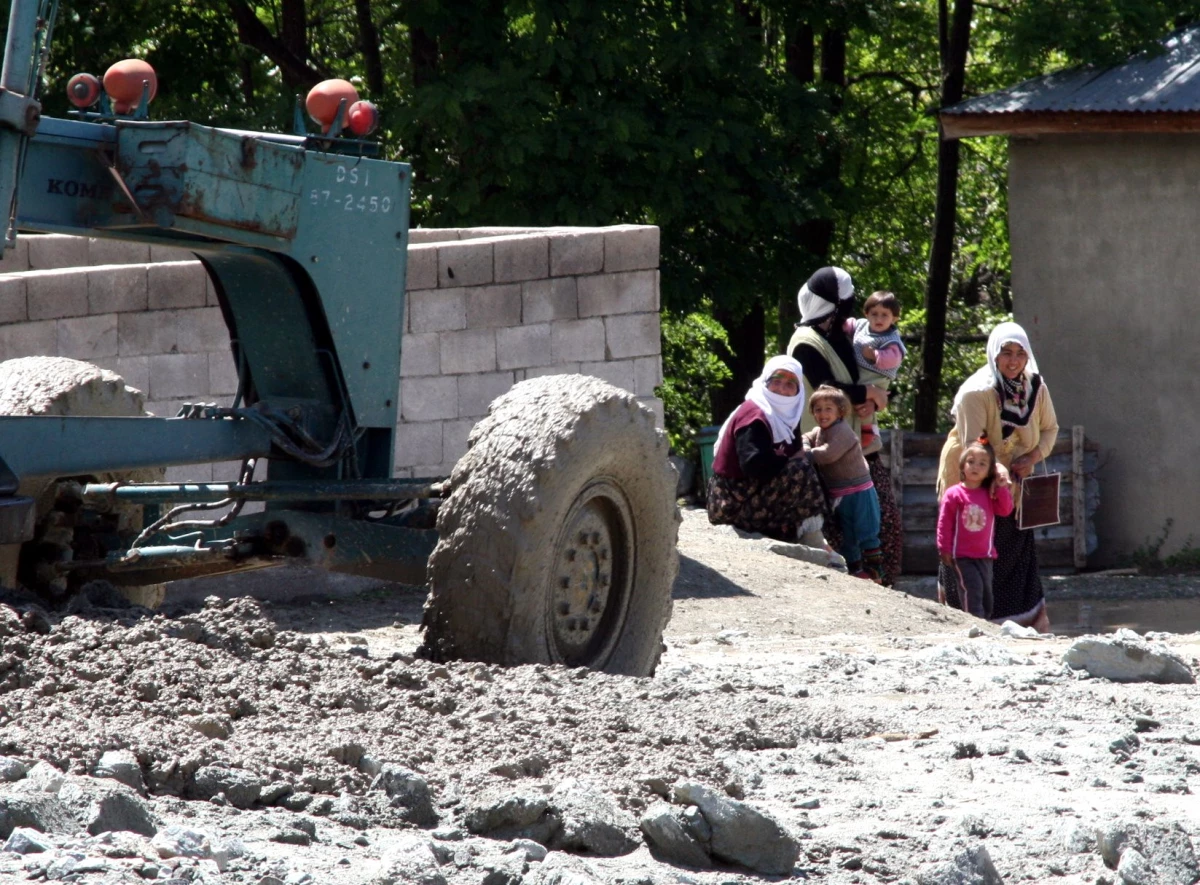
913 459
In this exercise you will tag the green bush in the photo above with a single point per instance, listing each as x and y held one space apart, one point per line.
692 366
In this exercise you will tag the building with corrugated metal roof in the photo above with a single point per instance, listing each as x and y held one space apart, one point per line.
1104 223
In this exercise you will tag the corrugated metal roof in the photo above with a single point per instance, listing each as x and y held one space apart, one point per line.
1167 82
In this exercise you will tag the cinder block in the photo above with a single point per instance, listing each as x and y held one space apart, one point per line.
634 334
478 233
476 392
231 471
647 375
135 370
432 471
28 339
472 350
56 251
177 284
618 373
630 247
491 307
429 399
164 254
421 269
577 340
163 409
420 355
465 264
201 330
543 301
522 258
418 443
102 250
437 310
54 294
118 289
523 346
454 438
556 369
148 333
193 473
655 405
609 294
422 235
178 375
576 252
16 259
222 374
12 299
88 338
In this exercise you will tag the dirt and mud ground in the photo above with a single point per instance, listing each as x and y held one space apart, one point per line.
887 735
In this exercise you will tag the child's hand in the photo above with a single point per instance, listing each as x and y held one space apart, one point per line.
869 353
1002 481
947 559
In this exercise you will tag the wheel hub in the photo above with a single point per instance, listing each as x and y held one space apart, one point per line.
592 576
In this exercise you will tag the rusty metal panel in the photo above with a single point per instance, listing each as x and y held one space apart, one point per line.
230 179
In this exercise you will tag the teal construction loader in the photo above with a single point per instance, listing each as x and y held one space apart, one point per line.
552 541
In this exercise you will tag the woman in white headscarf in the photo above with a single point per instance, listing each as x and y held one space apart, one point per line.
762 481
826 352
1007 402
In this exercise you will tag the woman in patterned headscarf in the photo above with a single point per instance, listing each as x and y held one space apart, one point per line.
821 345
762 481
1007 402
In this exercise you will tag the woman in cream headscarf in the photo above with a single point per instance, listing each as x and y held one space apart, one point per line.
821 345
762 481
1006 401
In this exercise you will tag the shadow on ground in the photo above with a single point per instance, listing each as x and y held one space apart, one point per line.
698 581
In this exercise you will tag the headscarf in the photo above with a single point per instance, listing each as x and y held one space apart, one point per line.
1016 396
783 413
829 290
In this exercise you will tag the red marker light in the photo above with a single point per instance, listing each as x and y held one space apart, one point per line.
83 90
362 118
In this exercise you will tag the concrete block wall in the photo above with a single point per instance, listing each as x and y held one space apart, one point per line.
486 308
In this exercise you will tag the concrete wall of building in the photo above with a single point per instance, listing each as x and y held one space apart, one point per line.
485 308
1106 271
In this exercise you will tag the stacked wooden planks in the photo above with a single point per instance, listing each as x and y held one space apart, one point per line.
913 459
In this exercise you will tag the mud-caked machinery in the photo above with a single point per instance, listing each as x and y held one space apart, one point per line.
555 534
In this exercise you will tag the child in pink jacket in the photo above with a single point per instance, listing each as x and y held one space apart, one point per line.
966 524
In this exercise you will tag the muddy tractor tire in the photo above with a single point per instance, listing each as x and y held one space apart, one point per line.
44 385
557 540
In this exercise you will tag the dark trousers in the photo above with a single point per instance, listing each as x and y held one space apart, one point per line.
975 586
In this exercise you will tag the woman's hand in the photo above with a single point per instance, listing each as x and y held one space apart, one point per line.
864 410
877 396
1023 465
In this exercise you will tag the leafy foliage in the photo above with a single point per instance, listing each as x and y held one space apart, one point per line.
691 345
764 137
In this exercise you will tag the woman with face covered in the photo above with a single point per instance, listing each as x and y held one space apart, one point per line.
826 353
1007 402
762 482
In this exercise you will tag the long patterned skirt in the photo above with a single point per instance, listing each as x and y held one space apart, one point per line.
891 531
774 507
1016 584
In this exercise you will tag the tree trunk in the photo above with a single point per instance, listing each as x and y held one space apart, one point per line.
368 42
954 38
815 236
747 339
296 70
